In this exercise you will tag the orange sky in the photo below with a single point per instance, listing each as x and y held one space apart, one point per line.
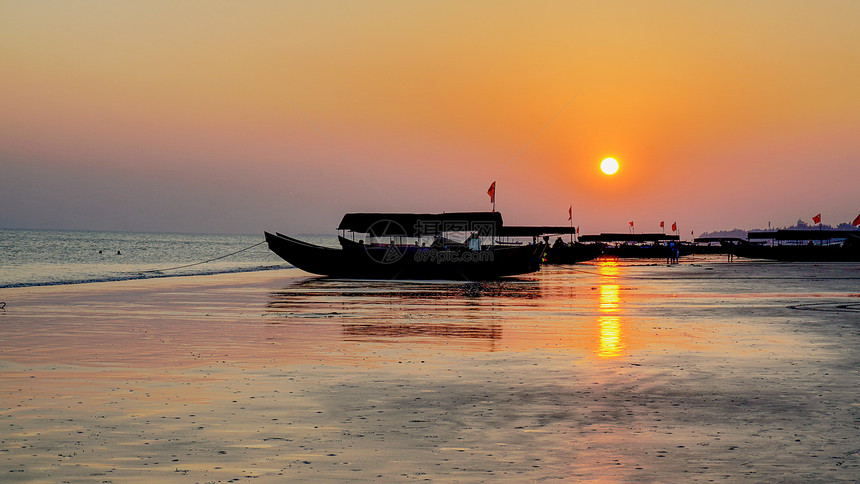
250 116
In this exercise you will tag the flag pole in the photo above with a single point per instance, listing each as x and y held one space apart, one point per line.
571 223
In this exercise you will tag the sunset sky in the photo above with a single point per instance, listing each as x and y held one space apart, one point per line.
249 116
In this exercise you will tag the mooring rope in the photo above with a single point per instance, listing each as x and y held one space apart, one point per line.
203 262
830 307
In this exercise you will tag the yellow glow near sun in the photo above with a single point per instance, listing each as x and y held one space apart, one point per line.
609 166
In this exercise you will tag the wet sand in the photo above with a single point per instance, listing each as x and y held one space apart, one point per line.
596 372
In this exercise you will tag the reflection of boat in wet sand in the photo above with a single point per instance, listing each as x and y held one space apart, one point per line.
490 331
397 248
802 246
386 291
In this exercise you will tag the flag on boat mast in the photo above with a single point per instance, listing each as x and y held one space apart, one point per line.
570 219
817 218
674 226
492 193
856 221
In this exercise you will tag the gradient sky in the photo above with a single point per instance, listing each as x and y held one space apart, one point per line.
249 116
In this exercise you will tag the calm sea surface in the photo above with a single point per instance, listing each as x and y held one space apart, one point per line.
47 257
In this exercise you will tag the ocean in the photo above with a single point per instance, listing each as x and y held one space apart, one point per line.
50 257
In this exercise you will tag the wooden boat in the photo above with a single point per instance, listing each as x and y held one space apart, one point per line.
636 246
710 245
639 251
844 252
559 252
385 255
801 246
567 253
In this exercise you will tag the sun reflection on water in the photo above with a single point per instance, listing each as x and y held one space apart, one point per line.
609 298
611 344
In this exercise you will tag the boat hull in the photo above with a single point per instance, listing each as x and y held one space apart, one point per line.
800 253
632 251
355 261
573 253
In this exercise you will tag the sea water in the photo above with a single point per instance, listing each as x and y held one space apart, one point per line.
48 257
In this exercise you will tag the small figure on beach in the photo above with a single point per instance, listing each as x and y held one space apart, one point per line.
673 255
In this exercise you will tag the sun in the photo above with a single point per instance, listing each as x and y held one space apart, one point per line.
609 166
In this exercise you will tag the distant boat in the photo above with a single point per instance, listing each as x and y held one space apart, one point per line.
711 245
571 253
397 248
636 246
802 246
560 252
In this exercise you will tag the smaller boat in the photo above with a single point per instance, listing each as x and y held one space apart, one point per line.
397 248
636 246
571 253
560 252
801 246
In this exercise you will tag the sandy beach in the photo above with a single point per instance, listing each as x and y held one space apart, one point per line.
610 372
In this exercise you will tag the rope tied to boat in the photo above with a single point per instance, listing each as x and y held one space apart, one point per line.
205 261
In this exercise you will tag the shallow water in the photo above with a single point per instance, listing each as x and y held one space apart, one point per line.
611 371
49 257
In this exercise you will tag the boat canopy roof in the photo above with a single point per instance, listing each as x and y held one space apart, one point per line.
420 224
707 240
534 231
628 238
812 234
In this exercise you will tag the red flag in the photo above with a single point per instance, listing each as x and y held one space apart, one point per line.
577 228
674 226
856 221
570 213
492 192
817 219
661 224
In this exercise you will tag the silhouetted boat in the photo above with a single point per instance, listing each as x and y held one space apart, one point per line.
801 246
636 246
711 245
571 253
385 255
559 252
